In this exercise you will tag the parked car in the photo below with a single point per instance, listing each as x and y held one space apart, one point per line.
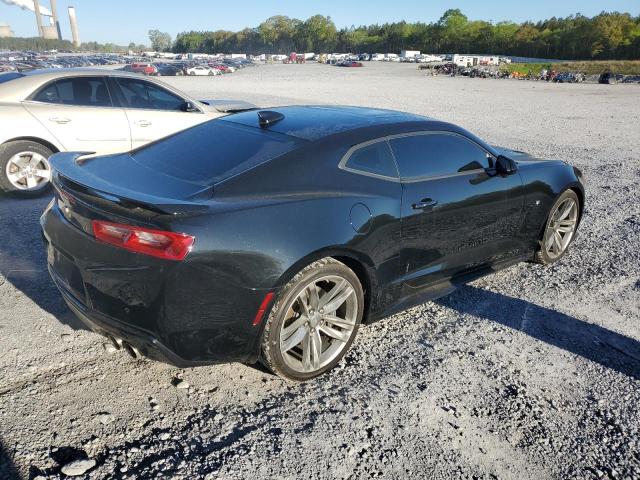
166 70
144 68
349 63
200 70
271 235
102 111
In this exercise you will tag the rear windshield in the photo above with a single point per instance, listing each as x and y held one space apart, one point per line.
213 151
5 77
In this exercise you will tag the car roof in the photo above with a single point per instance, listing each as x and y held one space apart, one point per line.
313 122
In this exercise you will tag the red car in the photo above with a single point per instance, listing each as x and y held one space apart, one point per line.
222 68
145 68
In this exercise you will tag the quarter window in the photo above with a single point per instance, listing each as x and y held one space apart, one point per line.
434 155
141 94
375 158
82 91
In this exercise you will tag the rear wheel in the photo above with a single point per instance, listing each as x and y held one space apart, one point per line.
314 322
24 167
560 228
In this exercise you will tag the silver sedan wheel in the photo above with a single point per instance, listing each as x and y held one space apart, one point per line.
319 323
561 228
28 171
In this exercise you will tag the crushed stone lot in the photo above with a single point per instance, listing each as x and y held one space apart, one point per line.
531 373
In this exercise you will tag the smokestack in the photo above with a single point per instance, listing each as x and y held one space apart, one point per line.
74 26
54 17
36 8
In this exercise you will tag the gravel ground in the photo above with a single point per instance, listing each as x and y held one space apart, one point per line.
531 373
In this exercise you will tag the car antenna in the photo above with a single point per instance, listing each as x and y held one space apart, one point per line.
268 117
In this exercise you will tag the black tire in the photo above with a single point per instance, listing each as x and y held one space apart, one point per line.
541 255
8 150
271 356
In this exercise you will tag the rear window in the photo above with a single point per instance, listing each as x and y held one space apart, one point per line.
5 77
213 151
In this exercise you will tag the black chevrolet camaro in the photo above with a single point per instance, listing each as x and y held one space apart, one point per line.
271 235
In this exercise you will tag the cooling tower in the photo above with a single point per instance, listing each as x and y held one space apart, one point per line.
74 26
36 8
54 17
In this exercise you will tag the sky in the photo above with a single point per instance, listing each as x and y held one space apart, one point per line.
124 21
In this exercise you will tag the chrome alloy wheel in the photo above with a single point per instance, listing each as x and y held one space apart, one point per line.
561 228
28 171
318 323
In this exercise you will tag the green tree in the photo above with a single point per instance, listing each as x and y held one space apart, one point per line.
160 41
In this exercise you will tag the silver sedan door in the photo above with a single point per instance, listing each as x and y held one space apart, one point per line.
80 113
153 111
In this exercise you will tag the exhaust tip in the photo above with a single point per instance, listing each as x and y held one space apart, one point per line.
132 351
117 342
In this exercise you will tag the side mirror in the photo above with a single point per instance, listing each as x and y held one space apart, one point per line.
189 107
505 166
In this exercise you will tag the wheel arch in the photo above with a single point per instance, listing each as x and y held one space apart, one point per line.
41 141
360 263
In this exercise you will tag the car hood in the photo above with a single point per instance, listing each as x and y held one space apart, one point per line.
226 106
518 155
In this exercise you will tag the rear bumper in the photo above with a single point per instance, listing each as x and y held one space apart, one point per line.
146 343
189 313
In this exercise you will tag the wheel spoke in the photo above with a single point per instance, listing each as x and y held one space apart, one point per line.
338 322
565 211
306 352
567 223
34 161
316 349
339 299
333 333
46 174
564 229
300 335
15 177
303 303
314 299
31 182
295 325
332 293
550 239
557 242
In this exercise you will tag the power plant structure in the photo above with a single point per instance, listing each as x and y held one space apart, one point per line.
49 28
5 31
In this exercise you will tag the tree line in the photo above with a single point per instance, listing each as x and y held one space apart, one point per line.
39 44
605 36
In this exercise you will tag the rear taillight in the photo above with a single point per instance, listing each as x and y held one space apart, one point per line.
157 243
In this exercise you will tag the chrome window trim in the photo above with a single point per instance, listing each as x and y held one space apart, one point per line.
345 158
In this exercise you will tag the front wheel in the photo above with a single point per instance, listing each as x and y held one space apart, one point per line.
314 322
24 168
560 228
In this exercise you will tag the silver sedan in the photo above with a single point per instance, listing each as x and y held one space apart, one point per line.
89 110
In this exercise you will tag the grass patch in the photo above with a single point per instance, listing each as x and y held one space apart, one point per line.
625 67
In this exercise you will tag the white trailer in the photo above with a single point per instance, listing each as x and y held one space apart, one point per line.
410 53
475 60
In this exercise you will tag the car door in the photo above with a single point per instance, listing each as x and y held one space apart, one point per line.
80 113
457 213
154 112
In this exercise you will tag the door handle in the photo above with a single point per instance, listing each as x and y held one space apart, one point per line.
60 120
143 123
424 203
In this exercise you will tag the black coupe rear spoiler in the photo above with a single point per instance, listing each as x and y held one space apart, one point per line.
69 166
